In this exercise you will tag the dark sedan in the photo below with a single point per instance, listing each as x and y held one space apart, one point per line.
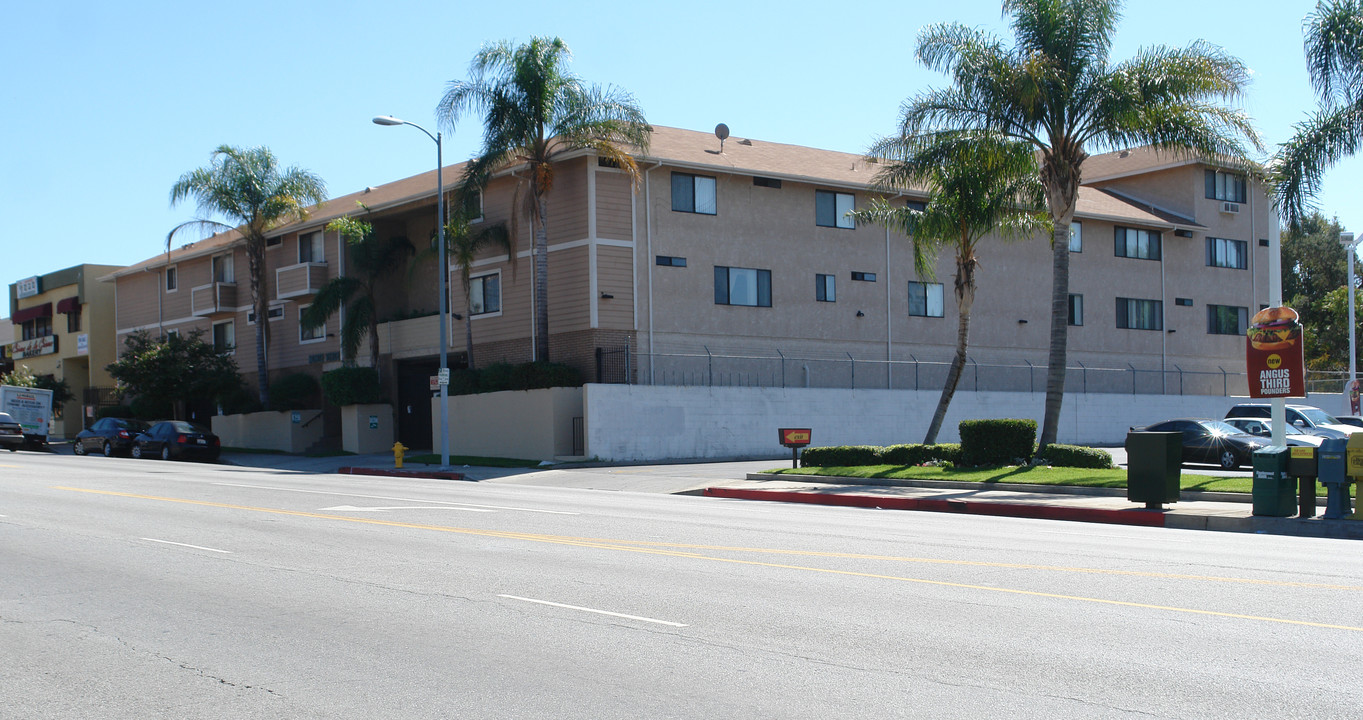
11 433
1212 441
177 439
108 436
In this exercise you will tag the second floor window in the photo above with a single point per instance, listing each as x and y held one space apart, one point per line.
172 279
1134 314
693 193
831 208
1133 243
485 294
1227 320
36 328
1076 237
1225 253
925 299
1225 186
222 269
310 248
742 286
224 337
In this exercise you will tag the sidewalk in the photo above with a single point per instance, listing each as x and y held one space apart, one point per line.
1225 512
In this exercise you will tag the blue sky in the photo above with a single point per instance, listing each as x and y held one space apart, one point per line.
107 104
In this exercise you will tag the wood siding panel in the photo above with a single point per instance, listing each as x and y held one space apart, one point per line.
615 276
613 200
568 203
569 291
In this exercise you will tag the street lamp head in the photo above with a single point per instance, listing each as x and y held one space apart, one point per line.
1346 239
387 120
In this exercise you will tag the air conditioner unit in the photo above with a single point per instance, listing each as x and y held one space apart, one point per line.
1230 207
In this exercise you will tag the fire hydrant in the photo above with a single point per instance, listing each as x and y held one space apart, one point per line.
398 451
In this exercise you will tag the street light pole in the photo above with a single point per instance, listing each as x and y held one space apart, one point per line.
443 263
1347 240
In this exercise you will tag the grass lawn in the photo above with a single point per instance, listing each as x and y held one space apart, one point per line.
1038 475
434 459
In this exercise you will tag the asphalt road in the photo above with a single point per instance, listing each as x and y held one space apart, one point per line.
142 589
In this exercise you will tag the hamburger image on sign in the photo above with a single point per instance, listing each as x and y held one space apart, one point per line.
1274 328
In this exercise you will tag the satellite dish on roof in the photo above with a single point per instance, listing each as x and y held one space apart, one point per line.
721 132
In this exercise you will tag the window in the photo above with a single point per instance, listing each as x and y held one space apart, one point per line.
1076 237
37 327
1225 186
1227 320
473 203
1183 302
273 242
73 320
1076 309
693 194
825 288
670 261
224 337
485 294
863 276
274 312
1133 243
1140 314
222 269
831 208
742 286
310 248
766 182
172 278
925 299
305 334
1225 253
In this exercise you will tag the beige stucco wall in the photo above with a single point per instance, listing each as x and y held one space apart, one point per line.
528 424
356 434
269 430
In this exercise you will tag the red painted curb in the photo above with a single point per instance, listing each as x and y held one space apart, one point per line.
1134 516
423 474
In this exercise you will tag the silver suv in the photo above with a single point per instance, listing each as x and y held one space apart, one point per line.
1306 419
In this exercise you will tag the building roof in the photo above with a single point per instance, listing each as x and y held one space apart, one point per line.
701 151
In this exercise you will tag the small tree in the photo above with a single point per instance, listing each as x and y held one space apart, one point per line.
463 241
174 369
23 376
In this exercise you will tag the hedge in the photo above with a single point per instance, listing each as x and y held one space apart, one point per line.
502 376
352 386
997 442
295 391
917 454
1075 456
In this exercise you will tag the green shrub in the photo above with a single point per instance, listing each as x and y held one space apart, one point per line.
841 456
917 454
114 411
1076 457
240 400
463 381
351 386
997 442
144 408
296 391
503 376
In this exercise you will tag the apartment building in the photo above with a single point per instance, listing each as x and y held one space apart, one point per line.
733 264
63 325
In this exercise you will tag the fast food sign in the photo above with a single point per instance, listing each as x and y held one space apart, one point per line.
795 437
1274 354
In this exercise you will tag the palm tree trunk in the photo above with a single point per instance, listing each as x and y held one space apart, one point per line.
1060 319
965 296
255 259
468 323
541 280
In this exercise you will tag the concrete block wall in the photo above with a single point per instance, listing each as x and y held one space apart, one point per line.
645 423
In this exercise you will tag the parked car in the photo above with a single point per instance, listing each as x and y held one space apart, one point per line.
1211 441
108 436
1307 419
173 439
11 433
1260 428
1353 420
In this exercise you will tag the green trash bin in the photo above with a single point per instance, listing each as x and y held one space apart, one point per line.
1153 461
1274 490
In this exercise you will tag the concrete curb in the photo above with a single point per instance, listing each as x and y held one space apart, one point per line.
385 472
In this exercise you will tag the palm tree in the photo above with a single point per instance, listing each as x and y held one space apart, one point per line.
372 256
534 111
463 241
247 187
978 184
1056 90
1334 59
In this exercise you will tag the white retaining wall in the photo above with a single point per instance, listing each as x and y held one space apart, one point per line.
645 423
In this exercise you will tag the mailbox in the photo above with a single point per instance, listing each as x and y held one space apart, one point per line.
1332 464
1301 464
1272 490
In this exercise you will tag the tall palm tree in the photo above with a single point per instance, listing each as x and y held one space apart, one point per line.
978 183
534 111
1334 59
372 256
463 242
247 187
1056 90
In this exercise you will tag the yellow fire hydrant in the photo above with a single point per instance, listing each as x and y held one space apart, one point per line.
398 451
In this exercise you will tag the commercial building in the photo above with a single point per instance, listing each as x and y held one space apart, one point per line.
732 263
64 328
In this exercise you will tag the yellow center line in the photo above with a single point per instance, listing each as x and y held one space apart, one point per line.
662 549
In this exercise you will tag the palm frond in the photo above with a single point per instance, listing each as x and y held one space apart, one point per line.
1334 50
1319 142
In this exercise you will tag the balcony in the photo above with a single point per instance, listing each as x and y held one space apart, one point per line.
299 281
213 299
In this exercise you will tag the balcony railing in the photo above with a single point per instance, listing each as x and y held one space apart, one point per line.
213 299
301 280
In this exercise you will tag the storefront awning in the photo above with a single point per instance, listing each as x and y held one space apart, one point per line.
37 311
69 305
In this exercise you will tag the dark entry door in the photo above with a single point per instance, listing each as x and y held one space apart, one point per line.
414 402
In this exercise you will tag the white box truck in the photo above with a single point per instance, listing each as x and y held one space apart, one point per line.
32 408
